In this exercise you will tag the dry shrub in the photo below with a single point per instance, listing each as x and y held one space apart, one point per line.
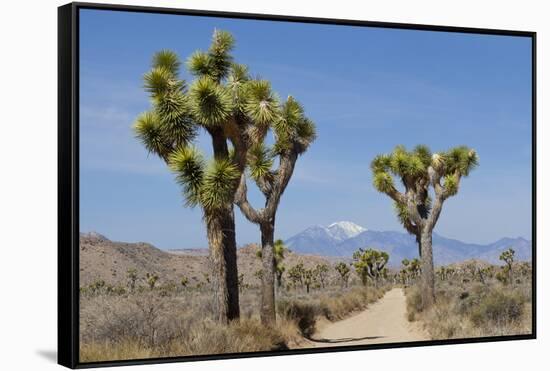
303 314
498 307
414 302
471 309
161 323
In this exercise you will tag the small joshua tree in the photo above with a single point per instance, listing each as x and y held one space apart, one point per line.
370 263
296 274
414 268
419 171
507 257
344 272
321 273
279 252
132 278
151 279
309 278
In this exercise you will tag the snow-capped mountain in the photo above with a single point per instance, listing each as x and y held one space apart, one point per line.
341 239
344 230
316 240
323 240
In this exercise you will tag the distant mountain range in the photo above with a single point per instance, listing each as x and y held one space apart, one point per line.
341 239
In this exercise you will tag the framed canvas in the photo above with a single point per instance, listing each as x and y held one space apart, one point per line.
244 185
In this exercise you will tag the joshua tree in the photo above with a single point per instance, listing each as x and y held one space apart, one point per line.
296 274
507 257
235 111
344 272
292 132
419 171
151 279
414 268
321 273
309 278
132 278
370 263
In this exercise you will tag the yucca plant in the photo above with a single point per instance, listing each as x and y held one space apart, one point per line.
293 133
230 106
344 272
419 171
507 257
370 263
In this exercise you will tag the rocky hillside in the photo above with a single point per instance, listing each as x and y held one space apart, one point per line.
103 259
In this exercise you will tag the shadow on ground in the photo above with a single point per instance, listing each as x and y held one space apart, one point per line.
345 340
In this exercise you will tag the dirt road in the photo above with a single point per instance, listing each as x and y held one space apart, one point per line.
382 322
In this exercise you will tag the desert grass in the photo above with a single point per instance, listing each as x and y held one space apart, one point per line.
468 309
117 325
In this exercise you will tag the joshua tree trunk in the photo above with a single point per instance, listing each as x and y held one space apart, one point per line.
223 250
265 218
221 239
267 312
427 264
230 259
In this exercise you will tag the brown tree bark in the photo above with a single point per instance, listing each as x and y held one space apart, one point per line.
267 311
223 249
427 264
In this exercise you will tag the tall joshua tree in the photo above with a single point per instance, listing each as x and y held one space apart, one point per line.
421 173
225 102
293 132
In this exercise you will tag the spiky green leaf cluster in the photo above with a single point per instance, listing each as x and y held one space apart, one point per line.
260 161
460 160
188 165
169 124
210 102
262 104
293 129
150 132
237 85
402 213
450 183
173 111
219 183
157 80
216 62
168 60
403 163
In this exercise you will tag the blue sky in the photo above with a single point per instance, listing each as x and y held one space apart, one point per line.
367 89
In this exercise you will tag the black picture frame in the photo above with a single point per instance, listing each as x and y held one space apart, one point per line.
68 179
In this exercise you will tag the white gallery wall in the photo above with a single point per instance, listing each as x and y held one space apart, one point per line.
28 182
